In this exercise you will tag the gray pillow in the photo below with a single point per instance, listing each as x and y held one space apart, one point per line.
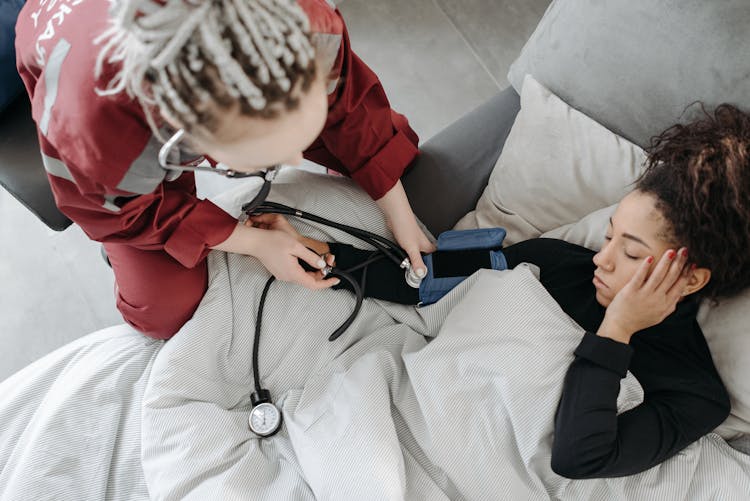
636 65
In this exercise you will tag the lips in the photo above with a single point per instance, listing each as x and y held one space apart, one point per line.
599 282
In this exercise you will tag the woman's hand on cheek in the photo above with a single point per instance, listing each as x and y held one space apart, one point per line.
646 300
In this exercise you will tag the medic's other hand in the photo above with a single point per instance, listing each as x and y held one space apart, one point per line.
279 251
412 239
403 224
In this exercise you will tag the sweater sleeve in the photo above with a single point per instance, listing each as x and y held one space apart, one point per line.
363 137
592 441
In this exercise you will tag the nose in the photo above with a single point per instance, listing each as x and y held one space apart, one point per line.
603 258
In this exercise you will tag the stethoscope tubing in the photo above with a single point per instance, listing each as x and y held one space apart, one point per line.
386 246
335 273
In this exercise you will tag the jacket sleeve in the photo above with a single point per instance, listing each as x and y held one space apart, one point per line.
98 151
592 441
123 197
363 137
120 195
171 218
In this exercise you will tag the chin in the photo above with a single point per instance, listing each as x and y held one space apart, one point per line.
604 301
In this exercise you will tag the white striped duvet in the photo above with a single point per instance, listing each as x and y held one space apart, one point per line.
380 414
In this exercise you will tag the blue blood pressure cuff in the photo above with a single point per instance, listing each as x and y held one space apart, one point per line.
459 254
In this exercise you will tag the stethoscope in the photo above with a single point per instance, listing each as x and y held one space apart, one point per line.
265 417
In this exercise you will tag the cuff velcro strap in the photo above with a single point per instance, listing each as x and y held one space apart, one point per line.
459 263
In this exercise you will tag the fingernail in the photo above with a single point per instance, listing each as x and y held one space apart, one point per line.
684 252
336 281
321 264
671 254
421 272
650 259
693 266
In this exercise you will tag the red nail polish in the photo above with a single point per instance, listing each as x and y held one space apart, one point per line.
671 254
684 252
650 259
693 266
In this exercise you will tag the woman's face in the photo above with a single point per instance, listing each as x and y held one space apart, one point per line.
635 232
250 144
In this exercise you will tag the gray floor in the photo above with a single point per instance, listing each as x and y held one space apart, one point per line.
437 59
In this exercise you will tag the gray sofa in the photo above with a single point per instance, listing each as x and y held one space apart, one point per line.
635 66
21 169
608 63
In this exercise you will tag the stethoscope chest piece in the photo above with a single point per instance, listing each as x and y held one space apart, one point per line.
265 417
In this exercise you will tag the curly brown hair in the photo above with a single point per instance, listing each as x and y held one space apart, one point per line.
700 176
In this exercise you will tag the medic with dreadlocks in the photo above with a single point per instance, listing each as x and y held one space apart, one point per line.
252 83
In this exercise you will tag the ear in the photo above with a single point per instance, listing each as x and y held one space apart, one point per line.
699 277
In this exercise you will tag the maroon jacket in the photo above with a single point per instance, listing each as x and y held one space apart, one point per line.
101 157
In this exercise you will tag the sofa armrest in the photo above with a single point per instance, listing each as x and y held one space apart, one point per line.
21 170
453 167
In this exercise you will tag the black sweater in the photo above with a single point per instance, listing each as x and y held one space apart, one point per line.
684 397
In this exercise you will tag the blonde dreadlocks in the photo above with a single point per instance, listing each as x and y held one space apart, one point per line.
190 57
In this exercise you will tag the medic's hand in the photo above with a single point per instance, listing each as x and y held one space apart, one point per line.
278 251
272 222
647 299
279 222
403 224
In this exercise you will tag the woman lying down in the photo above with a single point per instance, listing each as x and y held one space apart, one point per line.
683 234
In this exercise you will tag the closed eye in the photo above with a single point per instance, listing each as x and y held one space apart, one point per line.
609 239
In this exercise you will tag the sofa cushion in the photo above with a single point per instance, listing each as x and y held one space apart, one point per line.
636 65
557 165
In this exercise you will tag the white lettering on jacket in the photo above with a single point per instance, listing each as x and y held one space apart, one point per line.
64 7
